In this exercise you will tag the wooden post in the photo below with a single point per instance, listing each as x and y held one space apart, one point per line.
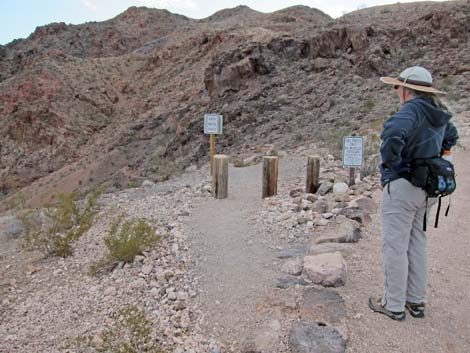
352 176
212 143
220 177
270 164
313 174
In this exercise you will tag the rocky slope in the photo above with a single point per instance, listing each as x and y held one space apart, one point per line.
123 100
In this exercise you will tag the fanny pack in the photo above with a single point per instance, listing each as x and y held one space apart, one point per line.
436 176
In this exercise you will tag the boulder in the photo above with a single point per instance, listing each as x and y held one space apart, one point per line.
325 188
314 337
343 231
326 269
365 203
357 214
323 305
340 188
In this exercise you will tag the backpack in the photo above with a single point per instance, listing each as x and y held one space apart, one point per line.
436 176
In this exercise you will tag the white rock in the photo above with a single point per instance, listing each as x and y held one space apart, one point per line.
148 184
327 215
340 188
326 269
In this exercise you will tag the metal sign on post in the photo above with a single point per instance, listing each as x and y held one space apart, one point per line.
213 126
353 154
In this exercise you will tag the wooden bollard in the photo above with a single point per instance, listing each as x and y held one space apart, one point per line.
270 164
220 177
313 174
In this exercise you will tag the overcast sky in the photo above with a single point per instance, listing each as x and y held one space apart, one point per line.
18 18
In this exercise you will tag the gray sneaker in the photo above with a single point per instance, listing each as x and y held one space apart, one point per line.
376 305
415 309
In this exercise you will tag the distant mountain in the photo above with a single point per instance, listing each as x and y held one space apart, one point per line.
123 100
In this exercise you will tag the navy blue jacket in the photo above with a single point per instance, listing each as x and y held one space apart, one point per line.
418 130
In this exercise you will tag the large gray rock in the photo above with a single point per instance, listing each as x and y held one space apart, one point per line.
324 188
357 214
322 305
287 282
365 203
343 231
326 269
10 227
325 306
313 337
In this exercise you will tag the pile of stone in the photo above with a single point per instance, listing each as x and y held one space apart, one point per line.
318 231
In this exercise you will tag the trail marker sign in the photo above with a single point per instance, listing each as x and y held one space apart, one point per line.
213 124
353 151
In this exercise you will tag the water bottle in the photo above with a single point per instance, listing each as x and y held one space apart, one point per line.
450 184
441 183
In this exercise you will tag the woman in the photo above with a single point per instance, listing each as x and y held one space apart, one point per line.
420 129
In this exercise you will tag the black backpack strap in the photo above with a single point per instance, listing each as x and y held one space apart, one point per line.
425 215
439 203
448 206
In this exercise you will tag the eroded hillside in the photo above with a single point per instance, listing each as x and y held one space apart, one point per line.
123 100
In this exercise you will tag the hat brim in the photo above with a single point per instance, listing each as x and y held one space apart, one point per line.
394 81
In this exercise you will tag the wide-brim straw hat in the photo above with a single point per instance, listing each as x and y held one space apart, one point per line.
416 78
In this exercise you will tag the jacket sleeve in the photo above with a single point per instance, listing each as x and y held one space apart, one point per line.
393 136
450 137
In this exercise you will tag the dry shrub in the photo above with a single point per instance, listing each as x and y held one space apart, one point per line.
54 231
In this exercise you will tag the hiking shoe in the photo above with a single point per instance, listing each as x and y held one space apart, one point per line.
376 305
415 309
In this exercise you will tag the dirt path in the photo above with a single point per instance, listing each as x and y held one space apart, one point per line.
235 261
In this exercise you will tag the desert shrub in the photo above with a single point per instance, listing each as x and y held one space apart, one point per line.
58 227
131 333
127 240
368 106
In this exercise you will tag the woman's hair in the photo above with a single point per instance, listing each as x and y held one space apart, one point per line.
435 98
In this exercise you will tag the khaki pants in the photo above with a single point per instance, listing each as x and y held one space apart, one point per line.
404 244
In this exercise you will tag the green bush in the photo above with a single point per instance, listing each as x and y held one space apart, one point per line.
130 334
129 239
63 224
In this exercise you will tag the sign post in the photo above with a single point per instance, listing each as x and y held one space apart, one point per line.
353 154
213 126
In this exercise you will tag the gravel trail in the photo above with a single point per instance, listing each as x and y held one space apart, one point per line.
234 260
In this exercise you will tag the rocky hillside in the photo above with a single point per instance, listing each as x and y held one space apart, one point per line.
123 100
